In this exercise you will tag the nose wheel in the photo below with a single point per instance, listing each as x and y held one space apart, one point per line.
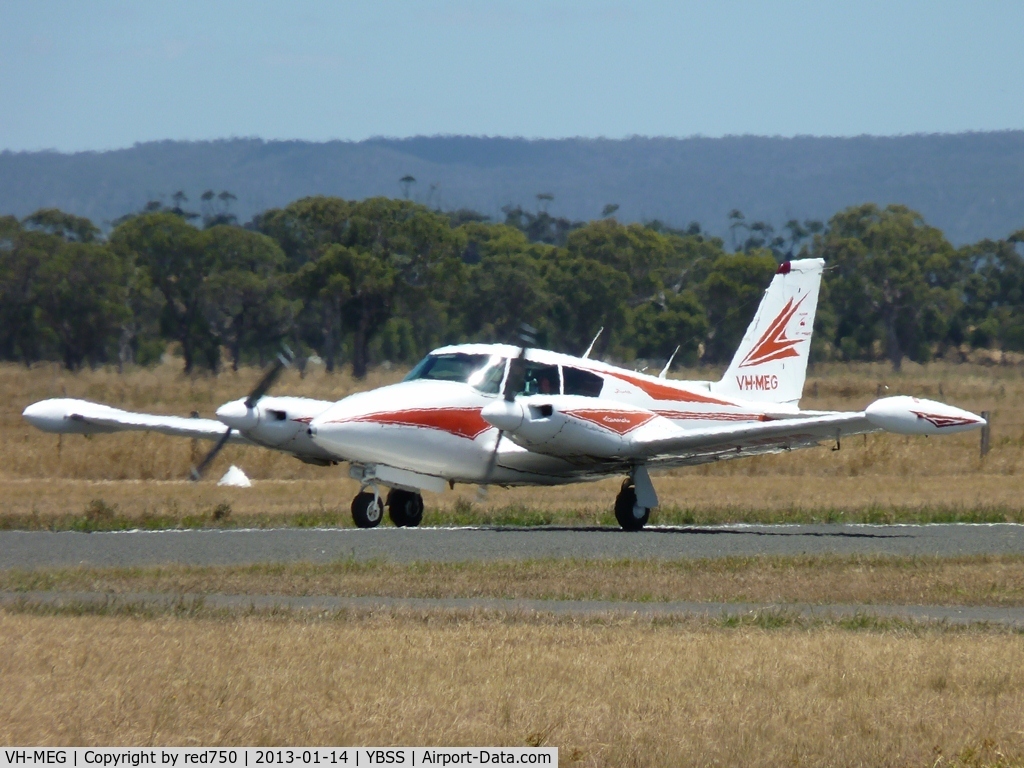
367 510
405 508
631 516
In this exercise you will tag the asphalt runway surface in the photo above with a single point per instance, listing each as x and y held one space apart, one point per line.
945 614
44 549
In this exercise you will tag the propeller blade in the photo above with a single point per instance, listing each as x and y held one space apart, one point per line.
517 365
493 460
516 377
284 359
197 471
513 385
527 334
481 491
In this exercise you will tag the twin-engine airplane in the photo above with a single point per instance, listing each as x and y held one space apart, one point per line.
499 414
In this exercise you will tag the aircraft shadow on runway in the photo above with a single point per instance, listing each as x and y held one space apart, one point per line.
689 529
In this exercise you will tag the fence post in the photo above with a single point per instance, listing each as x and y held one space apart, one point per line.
985 433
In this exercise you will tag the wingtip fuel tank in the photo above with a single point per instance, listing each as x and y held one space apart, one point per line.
906 415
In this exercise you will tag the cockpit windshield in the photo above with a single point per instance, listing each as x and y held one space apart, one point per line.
488 379
484 372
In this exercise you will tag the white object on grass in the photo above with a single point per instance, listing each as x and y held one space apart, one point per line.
235 478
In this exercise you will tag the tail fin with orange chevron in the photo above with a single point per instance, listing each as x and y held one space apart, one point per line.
771 363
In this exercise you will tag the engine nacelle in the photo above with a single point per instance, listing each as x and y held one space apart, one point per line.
567 425
914 416
281 422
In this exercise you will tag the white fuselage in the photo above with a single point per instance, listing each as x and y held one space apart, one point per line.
435 427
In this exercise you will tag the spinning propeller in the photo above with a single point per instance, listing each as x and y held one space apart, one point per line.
513 386
284 359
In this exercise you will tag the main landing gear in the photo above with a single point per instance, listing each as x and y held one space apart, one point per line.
367 510
405 508
631 516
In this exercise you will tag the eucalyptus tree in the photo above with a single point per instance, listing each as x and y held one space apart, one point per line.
731 289
893 282
371 260
21 254
62 293
245 300
993 295
177 263
82 297
505 285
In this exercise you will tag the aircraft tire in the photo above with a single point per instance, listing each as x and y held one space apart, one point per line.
626 509
405 508
367 510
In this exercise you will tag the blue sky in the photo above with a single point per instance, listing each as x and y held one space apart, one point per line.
104 74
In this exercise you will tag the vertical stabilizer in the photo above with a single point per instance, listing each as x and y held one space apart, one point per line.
771 363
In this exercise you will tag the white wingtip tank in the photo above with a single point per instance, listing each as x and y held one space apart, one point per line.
916 416
771 363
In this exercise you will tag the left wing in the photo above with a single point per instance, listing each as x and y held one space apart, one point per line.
81 417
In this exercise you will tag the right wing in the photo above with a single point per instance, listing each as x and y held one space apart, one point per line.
80 417
587 428
748 438
582 428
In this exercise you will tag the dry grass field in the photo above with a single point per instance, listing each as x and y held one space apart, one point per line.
993 581
612 692
607 691
137 477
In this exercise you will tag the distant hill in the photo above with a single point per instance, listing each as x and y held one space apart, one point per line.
970 185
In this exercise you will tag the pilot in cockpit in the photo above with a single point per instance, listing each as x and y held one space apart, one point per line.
541 380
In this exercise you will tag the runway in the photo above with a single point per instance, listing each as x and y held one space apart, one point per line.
44 549
958 615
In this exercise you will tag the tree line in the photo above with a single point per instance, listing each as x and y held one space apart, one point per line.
361 282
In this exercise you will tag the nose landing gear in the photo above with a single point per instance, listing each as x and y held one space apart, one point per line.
405 508
629 513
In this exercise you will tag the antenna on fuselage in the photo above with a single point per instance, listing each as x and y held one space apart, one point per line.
664 371
591 347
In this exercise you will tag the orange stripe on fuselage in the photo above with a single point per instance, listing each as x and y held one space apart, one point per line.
463 422
663 391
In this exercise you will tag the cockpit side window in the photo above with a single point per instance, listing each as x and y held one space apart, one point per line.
541 379
455 366
580 382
